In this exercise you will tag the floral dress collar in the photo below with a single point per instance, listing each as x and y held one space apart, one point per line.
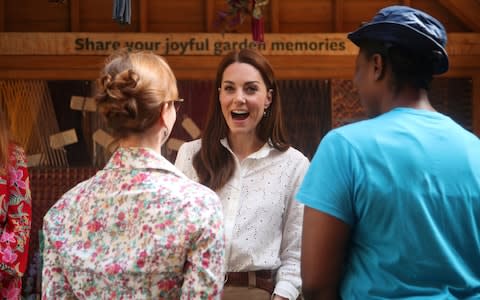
140 158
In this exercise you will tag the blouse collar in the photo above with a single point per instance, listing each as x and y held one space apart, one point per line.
263 152
140 158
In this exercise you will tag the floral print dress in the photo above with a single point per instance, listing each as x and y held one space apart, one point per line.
138 229
15 220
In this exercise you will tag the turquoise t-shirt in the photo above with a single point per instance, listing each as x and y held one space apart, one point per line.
408 184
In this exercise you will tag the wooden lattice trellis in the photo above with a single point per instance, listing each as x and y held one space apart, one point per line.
346 106
32 118
450 96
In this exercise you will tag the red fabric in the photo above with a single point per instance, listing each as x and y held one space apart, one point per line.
15 223
258 30
258 27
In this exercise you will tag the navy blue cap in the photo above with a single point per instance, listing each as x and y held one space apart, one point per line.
410 28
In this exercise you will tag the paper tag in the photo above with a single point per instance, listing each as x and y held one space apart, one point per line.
83 103
34 160
102 138
174 144
63 138
191 128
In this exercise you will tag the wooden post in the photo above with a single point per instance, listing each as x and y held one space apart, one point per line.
74 15
210 15
143 15
476 104
2 15
275 16
337 11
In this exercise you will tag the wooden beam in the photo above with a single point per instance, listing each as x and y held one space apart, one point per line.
476 104
467 11
33 55
98 43
143 13
73 67
210 15
275 16
102 43
74 15
2 15
337 7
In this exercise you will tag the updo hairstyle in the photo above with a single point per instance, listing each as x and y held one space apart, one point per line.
131 90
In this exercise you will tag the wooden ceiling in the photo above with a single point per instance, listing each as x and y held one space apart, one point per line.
281 16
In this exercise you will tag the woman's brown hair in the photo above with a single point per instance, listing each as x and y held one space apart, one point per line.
214 163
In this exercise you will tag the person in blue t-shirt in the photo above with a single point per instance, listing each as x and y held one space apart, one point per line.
392 204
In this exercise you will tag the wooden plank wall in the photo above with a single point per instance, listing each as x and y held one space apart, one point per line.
183 16
197 16
285 16
476 104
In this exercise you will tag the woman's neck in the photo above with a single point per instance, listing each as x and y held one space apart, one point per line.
244 144
152 141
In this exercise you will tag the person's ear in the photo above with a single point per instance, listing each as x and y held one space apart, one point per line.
378 66
163 114
269 98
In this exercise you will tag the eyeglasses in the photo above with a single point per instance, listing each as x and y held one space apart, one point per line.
177 103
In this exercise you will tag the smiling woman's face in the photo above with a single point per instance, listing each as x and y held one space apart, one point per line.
243 98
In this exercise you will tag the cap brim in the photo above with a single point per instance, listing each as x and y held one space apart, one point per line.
404 36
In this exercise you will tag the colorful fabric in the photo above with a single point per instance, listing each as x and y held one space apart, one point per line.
138 229
16 218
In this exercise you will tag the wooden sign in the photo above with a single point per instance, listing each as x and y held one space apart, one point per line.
174 144
185 44
34 159
63 138
103 138
191 128
179 44
83 103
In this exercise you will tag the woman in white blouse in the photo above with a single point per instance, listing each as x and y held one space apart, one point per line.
245 157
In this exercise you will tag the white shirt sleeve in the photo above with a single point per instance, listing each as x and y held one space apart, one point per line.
184 160
288 275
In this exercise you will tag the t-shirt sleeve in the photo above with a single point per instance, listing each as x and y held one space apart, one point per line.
329 185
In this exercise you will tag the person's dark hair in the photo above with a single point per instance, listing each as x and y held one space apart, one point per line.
214 163
131 90
407 68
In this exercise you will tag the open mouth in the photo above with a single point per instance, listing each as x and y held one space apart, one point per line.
240 114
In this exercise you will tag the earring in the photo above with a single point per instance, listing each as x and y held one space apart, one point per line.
264 113
165 135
